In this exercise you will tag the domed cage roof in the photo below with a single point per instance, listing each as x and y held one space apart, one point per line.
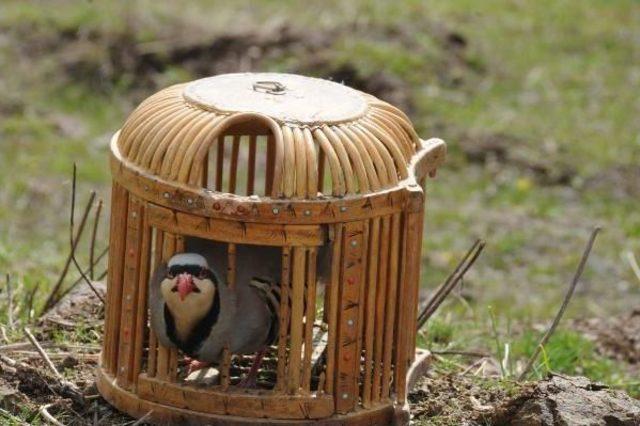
284 131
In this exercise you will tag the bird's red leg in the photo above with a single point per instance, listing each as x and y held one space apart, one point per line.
250 380
195 365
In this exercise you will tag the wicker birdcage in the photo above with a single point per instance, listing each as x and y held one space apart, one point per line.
331 177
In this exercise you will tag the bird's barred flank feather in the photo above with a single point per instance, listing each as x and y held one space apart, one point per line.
271 294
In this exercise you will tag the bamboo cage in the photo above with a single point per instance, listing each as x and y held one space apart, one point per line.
331 178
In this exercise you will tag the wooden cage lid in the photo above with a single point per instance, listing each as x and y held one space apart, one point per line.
366 143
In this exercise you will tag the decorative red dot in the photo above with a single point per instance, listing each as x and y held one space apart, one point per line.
216 206
351 280
131 252
346 357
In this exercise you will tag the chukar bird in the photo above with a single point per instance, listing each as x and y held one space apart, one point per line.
193 309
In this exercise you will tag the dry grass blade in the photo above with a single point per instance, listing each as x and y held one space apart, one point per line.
12 418
563 307
43 354
30 300
445 289
634 264
9 303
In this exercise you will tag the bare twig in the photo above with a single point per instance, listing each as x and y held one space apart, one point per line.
473 354
634 264
456 276
13 363
440 290
73 243
51 299
48 417
43 354
563 307
10 302
86 271
94 234
88 281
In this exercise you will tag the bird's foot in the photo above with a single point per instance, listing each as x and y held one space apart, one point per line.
195 365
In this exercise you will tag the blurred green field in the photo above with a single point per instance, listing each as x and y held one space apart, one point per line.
538 101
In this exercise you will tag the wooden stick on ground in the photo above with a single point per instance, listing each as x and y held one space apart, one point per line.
48 417
43 354
563 307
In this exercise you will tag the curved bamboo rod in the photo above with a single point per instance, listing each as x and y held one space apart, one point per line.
170 136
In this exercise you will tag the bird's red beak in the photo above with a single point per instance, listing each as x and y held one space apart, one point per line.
185 284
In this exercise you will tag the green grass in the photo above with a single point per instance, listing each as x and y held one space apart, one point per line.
556 76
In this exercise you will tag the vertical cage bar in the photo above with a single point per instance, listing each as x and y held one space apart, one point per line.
284 318
233 170
332 307
352 278
127 339
173 352
118 227
164 353
225 368
297 312
143 283
381 298
251 172
390 316
402 315
153 341
225 365
309 318
410 279
362 299
370 309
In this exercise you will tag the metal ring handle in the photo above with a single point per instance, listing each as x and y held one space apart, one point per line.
271 87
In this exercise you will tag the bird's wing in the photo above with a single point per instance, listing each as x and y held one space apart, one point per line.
270 294
157 307
220 334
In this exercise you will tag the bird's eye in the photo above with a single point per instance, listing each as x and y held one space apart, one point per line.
202 275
